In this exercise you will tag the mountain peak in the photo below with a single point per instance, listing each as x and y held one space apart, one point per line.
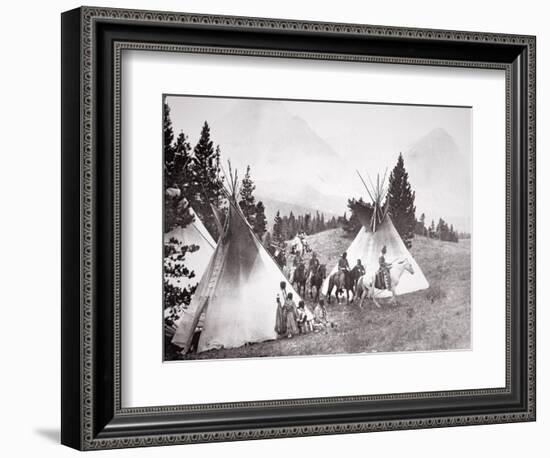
434 162
437 141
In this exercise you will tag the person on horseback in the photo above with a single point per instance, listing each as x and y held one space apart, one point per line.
313 266
385 268
358 269
343 264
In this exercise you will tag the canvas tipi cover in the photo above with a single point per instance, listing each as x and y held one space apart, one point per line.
367 245
193 234
237 293
378 230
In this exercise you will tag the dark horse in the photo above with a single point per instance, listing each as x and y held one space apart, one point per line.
300 278
317 280
342 280
281 258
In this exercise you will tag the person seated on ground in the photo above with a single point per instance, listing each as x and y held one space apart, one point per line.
290 315
305 318
320 316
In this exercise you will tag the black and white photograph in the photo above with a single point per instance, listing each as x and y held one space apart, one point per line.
306 227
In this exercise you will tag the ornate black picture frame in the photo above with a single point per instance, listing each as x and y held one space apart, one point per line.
92 42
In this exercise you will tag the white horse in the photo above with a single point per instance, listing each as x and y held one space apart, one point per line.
365 284
297 246
288 272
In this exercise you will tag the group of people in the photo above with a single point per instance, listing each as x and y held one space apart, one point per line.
383 272
295 319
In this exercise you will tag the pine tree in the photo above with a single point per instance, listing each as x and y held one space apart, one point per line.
292 225
267 241
167 143
277 235
421 226
453 236
175 252
353 224
284 228
260 221
316 226
174 268
307 223
207 182
401 202
423 219
247 201
180 173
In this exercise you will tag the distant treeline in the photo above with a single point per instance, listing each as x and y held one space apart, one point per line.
441 231
287 226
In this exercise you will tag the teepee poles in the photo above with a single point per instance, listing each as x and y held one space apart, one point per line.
377 196
365 184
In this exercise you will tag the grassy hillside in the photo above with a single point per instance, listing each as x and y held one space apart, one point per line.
434 319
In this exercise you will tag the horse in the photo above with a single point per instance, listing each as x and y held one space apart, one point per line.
300 278
288 272
296 246
317 280
342 280
280 257
367 285
355 274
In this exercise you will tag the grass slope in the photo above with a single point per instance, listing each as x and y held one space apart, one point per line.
434 319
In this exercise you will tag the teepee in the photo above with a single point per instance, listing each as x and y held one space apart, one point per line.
195 233
378 230
235 301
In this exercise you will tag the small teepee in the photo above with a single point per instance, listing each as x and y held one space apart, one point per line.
378 230
235 301
195 233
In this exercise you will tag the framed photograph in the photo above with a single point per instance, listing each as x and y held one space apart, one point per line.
276 228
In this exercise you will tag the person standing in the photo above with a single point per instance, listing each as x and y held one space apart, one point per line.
290 314
313 266
280 319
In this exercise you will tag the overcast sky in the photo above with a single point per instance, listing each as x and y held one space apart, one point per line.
362 136
374 127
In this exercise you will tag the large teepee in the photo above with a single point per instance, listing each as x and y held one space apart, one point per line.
235 301
378 230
